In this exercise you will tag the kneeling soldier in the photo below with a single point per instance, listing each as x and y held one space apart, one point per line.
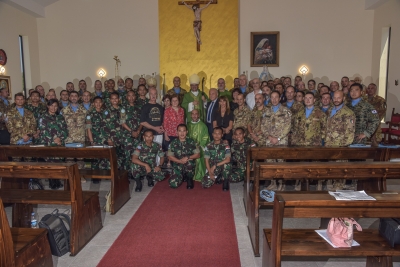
239 154
217 156
144 161
182 153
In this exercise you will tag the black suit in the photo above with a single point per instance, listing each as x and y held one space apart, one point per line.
210 125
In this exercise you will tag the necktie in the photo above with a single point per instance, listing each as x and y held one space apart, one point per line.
209 112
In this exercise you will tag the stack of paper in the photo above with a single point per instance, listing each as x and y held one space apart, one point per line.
324 235
351 195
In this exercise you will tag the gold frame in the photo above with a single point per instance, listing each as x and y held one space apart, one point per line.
8 79
260 35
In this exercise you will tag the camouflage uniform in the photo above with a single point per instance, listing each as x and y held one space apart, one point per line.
141 102
239 154
340 127
37 111
122 97
75 123
256 117
367 120
147 155
216 153
309 131
18 126
181 94
106 98
95 121
379 103
180 150
276 124
112 117
76 128
131 117
52 127
3 111
295 108
242 118
93 95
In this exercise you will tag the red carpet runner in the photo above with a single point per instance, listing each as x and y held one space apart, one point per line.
178 227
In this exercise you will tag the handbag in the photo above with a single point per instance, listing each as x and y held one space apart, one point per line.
340 231
389 228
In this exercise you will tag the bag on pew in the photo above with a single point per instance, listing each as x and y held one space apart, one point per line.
107 207
340 231
389 228
58 226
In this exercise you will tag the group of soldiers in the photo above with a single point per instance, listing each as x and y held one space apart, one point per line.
266 113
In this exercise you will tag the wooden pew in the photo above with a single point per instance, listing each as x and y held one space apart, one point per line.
280 242
368 174
85 206
119 179
23 246
306 153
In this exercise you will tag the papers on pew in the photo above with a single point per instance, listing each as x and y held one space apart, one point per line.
324 235
388 146
351 195
36 146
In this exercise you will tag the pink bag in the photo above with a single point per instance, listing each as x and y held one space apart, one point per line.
340 231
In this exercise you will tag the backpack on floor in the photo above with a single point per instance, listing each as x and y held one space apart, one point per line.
58 226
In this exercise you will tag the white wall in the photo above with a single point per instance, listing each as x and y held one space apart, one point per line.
332 37
14 23
76 38
388 15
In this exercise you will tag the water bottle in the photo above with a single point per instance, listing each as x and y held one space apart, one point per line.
34 223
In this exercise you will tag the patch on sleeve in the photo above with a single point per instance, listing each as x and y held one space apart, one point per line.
351 121
374 111
139 147
122 110
106 112
88 117
40 121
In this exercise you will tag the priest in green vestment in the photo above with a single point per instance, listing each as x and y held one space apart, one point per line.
222 90
198 132
194 99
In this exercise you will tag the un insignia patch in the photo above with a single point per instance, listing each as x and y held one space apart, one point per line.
374 111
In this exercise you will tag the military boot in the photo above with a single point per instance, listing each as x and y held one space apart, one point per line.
138 185
272 186
190 183
150 181
225 186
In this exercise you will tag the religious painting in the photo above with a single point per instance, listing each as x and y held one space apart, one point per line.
264 49
5 82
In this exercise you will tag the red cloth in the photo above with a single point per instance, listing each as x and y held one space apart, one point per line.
172 119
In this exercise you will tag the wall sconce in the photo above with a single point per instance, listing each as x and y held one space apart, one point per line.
304 70
102 73
2 70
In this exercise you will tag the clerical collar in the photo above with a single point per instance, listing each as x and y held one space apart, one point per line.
195 93
195 121
354 102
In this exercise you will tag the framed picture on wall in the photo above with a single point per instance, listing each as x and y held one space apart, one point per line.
5 82
264 49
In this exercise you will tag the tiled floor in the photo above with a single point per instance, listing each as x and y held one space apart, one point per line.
113 225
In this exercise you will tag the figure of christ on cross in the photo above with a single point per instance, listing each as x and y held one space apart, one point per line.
197 19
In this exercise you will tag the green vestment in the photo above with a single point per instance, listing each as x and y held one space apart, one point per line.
226 93
199 133
189 98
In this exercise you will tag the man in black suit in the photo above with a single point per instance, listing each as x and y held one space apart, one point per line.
212 107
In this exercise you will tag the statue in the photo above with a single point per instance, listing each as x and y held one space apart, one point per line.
197 18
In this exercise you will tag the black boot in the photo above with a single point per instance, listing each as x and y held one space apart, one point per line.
53 184
150 181
218 180
190 183
138 185
59 184
225 186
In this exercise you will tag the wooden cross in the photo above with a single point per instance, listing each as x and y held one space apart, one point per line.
197 21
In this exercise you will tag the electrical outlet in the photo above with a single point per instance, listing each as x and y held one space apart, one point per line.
396 82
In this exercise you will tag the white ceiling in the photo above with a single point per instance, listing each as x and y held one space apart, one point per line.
44 3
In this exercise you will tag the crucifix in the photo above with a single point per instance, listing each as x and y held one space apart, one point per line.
197 16
117 61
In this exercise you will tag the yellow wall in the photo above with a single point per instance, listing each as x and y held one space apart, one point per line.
218 57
